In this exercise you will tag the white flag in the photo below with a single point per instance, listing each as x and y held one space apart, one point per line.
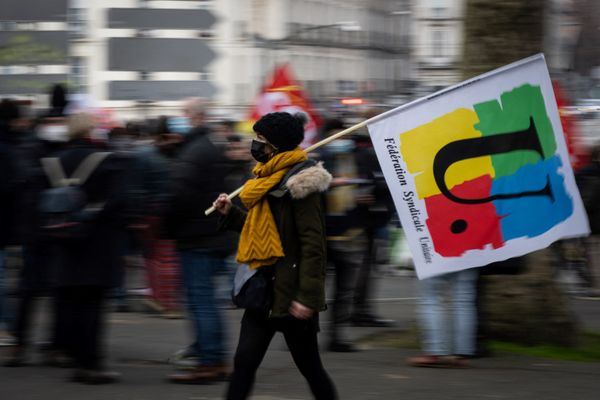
479 172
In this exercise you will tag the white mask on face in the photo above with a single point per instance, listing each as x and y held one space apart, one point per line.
53 133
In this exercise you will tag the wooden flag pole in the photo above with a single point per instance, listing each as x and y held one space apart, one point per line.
308 150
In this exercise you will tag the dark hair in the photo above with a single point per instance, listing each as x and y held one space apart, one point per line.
161 125
9 110
283 130
58 100
331 124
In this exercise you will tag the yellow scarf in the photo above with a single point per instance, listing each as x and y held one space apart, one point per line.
260 243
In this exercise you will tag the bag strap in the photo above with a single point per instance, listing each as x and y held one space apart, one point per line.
56 174
54 171
87 166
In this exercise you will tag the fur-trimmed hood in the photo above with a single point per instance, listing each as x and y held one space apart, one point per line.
309 180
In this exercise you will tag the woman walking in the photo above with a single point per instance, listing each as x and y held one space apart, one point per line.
282 238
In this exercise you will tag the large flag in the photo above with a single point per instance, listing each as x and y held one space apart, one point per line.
479 172
284 94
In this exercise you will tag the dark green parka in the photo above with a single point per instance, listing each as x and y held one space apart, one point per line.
298 214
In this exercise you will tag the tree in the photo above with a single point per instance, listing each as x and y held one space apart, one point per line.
527 307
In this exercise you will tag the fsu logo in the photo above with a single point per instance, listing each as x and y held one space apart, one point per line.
490 174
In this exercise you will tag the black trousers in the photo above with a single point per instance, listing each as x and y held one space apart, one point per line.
364 281
80 323
34 282
301 337
345 265
24 313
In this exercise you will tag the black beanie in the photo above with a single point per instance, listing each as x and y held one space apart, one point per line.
283 130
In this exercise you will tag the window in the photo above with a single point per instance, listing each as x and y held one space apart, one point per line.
438 8
78 73
437 43
77 21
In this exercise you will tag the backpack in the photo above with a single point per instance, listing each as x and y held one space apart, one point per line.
64 212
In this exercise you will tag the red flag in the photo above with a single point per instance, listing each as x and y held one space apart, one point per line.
284 94
577 152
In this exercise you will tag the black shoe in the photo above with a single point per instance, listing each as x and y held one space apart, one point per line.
56 358
372 321
342 347
95 377
16 359
202 375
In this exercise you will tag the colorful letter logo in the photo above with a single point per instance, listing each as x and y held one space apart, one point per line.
489 175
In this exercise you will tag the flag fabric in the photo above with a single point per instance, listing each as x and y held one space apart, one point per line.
284 94
479 172
577 151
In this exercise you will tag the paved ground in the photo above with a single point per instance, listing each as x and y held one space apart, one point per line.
139 345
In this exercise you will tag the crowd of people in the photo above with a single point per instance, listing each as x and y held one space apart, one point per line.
77 206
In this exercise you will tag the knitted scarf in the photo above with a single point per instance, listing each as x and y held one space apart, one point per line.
260 243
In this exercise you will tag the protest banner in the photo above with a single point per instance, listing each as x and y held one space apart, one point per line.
283 94
479 172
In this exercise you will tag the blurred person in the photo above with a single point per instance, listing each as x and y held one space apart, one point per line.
58 99
344 229
236 151
8 179
166 140
7 205
125 141
156 162
199 175
283 237
375 210
36 274
87 266
588 181
121 141
447 340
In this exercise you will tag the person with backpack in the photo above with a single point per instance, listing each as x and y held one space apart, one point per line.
83 213
283 242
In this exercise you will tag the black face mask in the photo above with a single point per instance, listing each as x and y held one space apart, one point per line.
259 151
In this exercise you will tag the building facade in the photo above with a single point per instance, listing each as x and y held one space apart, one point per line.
438 43
140 57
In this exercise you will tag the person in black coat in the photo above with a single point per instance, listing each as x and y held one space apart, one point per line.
87 269
7 175
199 176
19 222
375 210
